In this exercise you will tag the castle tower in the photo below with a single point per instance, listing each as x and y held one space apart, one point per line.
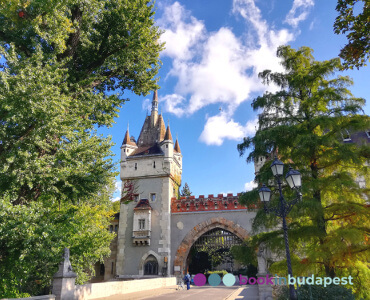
151 174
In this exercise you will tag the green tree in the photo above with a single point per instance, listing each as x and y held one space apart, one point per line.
63 60
65 66
305 122
185 192
353 20
32 238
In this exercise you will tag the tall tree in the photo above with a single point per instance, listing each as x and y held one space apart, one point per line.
63 61
353 20
185 192
305 122
64 68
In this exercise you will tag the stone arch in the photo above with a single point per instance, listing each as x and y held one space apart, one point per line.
143 259
198 230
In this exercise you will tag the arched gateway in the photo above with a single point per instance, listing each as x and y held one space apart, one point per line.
197 231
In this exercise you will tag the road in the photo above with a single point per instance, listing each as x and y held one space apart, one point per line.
195 293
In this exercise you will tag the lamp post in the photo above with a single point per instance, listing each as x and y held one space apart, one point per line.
294 180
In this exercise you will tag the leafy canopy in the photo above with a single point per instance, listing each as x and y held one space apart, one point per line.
62 60
353 20
64 68
305 122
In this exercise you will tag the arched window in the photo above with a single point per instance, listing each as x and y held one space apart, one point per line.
151 266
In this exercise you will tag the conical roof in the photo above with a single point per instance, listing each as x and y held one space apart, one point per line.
177 147
127 140
168 135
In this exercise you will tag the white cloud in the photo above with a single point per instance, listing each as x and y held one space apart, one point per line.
117 186
115 199
146 105
220 67
299 12
248 186
179 36
173 104
221 127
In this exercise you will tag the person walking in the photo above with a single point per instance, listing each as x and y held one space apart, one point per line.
187 279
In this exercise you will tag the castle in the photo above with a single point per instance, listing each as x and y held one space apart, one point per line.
157 229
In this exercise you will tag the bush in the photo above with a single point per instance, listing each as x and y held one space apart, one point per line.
310 292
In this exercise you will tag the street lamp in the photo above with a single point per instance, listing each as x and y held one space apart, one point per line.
293 177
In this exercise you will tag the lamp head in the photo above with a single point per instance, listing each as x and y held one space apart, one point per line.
294 178
277 167
264 193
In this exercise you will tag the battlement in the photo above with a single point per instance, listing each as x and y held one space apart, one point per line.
210 203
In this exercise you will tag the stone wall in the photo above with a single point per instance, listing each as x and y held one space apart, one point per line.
45 297
110 288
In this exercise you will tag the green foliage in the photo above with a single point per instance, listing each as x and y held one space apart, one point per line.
304 122
62 62
32 239
244 254
353 20
116 206
185 192
309 292
219 272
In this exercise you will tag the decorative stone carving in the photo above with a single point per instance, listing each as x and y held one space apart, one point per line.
65 267
64 279
262 259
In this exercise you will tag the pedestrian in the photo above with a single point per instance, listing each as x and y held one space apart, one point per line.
187 281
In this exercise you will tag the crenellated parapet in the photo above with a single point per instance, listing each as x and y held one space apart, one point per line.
210 203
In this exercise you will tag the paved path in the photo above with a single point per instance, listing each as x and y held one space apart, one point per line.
195 293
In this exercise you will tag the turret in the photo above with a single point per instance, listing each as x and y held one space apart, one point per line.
177 147
167 143
177 153
128 146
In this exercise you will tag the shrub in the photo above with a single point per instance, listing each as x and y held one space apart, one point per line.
310 292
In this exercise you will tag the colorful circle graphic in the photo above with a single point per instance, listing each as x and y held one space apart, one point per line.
214 279
200 279
228 279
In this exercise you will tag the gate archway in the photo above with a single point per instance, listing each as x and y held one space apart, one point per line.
197 231
211 251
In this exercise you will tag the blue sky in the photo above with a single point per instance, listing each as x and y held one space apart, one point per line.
214 51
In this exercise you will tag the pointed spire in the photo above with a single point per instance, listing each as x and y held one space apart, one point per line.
168 135
127 140
155 101
177 146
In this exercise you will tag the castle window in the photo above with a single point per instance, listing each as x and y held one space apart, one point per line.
135 166
141 224
112 268
154 164
152 196
166 146
116 228
111 228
